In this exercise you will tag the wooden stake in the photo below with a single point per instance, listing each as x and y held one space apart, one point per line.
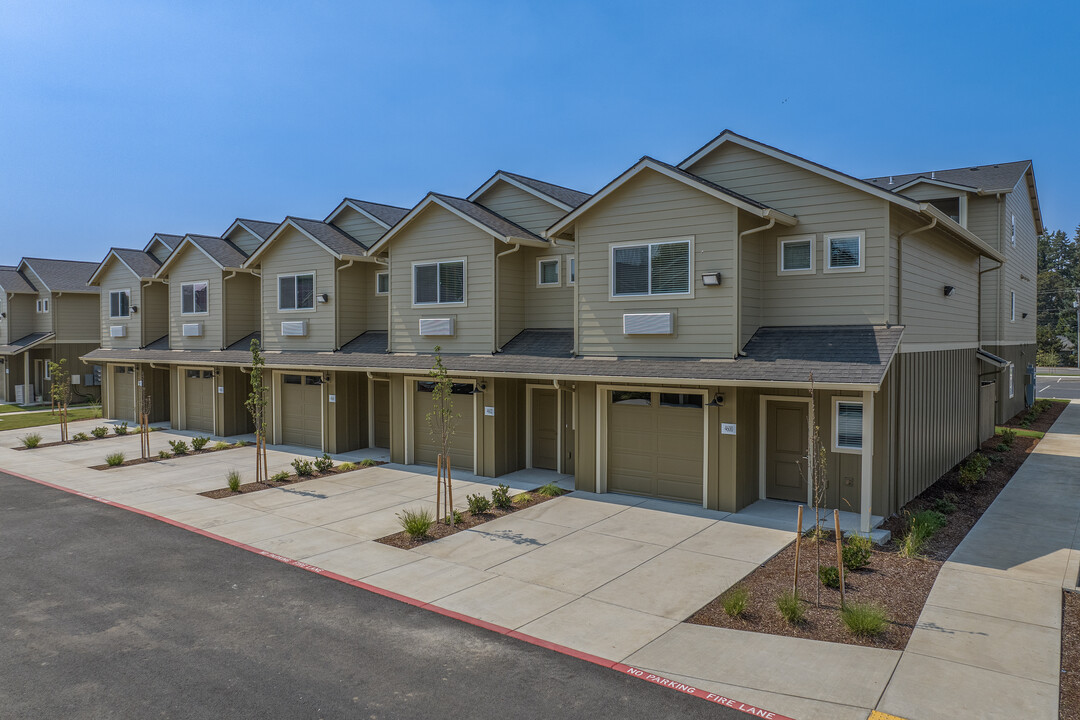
798 545
839 553
438 487
449 493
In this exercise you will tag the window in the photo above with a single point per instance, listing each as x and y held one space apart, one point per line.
1012 377
571 277
120 304
951 207
682 400
1012 231
847 421
1012 307
455 388
547 272
439 283
382 283
797 255
42 306
844 251
296 292
624 397
659 268
195 298
47 372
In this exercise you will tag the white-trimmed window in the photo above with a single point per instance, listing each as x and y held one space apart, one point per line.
195 298
652 268
547 272
120 304
847 425
42 305
296 292
47 370
571 276
1012 306
795 255
844 251
1012 378
382 283
439 283
1012 231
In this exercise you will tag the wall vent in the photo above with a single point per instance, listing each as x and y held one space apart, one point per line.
294 328
118 331
437 326
648 323
192 329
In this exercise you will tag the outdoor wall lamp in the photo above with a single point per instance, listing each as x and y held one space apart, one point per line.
323 298
478 388
949 290
1023 315
134 309
717 401
710 279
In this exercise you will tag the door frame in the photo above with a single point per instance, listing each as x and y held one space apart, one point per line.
763 429
602 430
182 395
410 412
277 400
371 406
529 388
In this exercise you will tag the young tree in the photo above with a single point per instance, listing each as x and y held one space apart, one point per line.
256 405
144 404
60 393
815 475
441 422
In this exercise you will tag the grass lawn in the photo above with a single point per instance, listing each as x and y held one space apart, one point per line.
16 422
19 408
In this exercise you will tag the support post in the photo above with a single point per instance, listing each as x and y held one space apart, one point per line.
839 553
867 485
798 546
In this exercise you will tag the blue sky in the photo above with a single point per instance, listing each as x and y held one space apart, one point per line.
121 119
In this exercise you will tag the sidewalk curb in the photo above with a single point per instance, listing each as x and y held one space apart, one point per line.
539 642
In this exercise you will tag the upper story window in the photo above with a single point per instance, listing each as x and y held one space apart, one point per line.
844 251
296 292
547 272
439 283
571 276
847 425
1012 307
954 207
195 298
120 304
382 283
796 255
42 305
1012 231
654 268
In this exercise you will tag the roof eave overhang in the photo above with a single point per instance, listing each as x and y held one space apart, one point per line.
288 223
161 271
933 181
347 203
502 176
958 231
28 346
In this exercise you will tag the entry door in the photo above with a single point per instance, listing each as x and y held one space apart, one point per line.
381 411
545 429
785 451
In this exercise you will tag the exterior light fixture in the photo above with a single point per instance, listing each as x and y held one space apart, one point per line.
1023 315
134 309
478 388
323 298
718 399
949 290
710 279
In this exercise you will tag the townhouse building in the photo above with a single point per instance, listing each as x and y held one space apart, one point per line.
664 336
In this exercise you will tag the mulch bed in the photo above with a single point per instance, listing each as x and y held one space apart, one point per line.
155 458
129 433
290 480
1069 694
468 520
900 585
1042 422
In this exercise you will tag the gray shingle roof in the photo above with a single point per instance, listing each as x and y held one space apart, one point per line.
13 281
835 354
244 343
709 183
64 275
24 343
141 262
389 214
332 237
373 341
222 251
541 343
262 229
493 221
565 195
987 178
170 241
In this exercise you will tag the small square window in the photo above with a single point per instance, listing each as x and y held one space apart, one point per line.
194 298
382 283
120 304
439 283
548 272
626 397
296 292
1012 307
797 255
844 252
848 422
658 268
571 276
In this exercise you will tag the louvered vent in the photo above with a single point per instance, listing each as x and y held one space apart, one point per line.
118 331
437 326
192 329
648 324
294 328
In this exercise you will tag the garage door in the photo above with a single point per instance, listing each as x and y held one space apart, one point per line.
301 410
123 392
425 450
655 445
199 400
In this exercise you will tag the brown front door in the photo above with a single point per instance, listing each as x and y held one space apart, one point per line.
545 429
785 451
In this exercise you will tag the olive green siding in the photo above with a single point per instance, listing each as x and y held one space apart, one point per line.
359 308
232 415
291 253
246 241
651 206
21 317
750 278
154 311
523 303
1020 356
437 234
359 226
118 277
39 322
159 250
929 191
75 318
1021 268
524 208
192 265
349 412
241 301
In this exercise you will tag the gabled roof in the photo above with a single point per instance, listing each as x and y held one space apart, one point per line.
220 251
62 275
13 281
333 239
141 263
561 197
647 163
258 228
169 241
470 212
385 215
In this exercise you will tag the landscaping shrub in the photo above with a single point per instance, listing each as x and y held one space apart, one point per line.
1001 447
100 431
931 519
550 490
179 447
829 575
973 470
233 479
857 551
164 454
121 429
303 468
241 443
31 441
368 462
280 476
921 527
346 467
219 445
501 497
864 619
416 523
1008 437
945 506
736 600
457 518
522 498
790 607
78 437
115 459
198 443
324 463
478 504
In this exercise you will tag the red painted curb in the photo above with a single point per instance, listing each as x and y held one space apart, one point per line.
532 640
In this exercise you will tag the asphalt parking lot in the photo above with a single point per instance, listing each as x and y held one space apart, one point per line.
1064 387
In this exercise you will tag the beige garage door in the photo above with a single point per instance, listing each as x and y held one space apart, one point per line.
425 450
655 445
199 400
123 392
301 410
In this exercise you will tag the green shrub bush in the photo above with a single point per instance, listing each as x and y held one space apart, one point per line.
735 601
281 476
478 504
79 437
790 607
368 462
457 518
1008 437
121 429
864 619
100 431
220 445
501 497
550 490
179 447
932 520
233 480
164 454
857 552
198 443
945 506
921 527
115 459
521 498
346 467
416 523
973 470
31 441
324 463
303 468
829 575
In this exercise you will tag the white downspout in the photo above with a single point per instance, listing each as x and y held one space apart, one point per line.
495 302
